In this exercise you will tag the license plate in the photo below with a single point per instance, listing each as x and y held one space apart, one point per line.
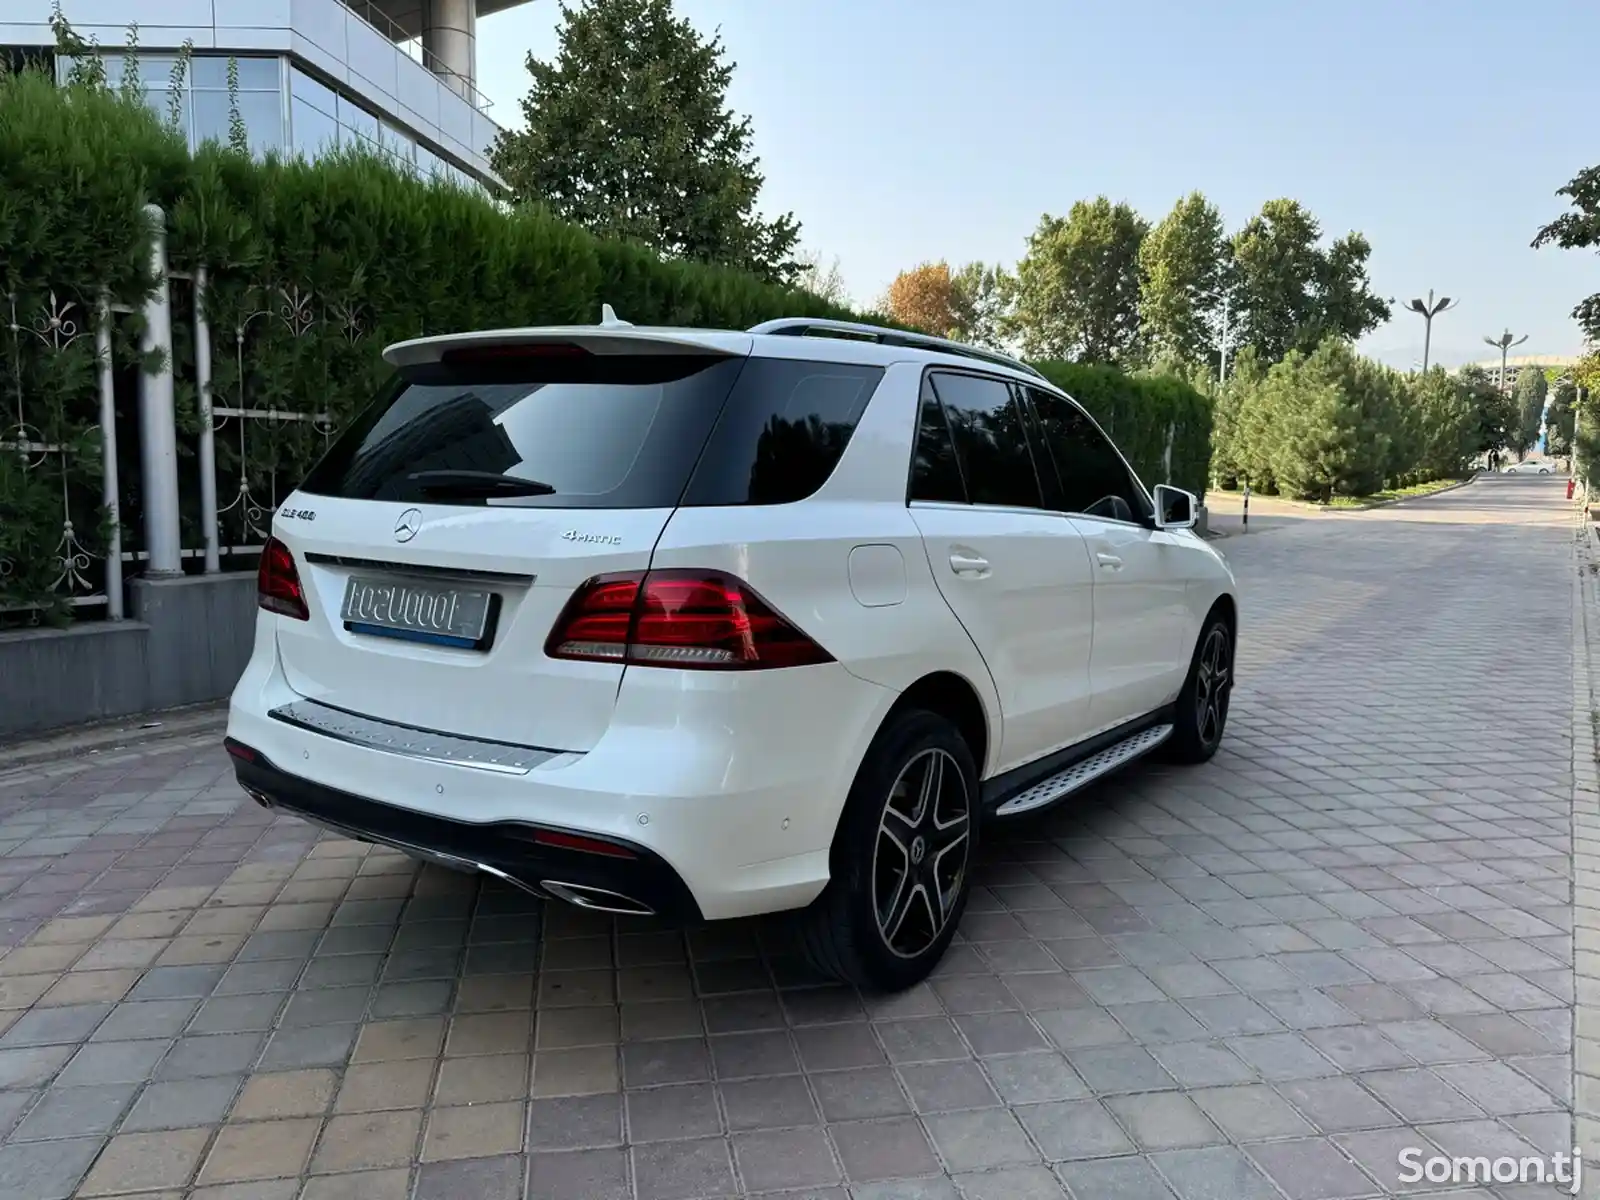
433 614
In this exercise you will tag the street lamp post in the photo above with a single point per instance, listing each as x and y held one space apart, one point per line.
1504 343
1222 341
1222 367
1429 311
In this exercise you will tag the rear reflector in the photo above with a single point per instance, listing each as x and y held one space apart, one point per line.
572 841
239 750
683 618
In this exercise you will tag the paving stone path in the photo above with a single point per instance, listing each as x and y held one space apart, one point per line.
1349 935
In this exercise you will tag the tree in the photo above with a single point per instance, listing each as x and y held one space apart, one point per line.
1291 293
1448 424
1333 415
980 300
1497 415
1348 307
1527 398
1183 266
924 298
1077 293
1237 431
1579 230
1332 423
629 134
1586 418
826 281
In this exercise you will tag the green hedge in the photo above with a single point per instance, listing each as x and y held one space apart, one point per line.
313 268
76 176
1141 413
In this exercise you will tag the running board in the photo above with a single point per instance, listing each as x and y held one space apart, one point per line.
1085 771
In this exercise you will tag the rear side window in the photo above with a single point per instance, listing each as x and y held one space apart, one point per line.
782 432
991 443
601 431
935 473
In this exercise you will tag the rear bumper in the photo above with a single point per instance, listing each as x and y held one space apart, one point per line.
732 784
623 877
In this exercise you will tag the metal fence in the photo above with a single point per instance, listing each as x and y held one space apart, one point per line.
63 551
267 441
168 454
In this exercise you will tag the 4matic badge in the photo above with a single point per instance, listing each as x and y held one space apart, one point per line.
595 539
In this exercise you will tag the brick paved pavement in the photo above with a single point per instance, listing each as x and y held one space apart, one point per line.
1349 934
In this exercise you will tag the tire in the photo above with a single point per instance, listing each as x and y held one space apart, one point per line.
901 863
1201 715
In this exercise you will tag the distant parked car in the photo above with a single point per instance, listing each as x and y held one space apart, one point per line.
1530 467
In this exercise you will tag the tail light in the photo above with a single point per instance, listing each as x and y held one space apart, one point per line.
278 586
699 620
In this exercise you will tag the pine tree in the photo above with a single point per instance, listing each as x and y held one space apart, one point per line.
629 134
1334 415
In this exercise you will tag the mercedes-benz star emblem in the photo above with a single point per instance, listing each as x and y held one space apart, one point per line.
919 850
406 527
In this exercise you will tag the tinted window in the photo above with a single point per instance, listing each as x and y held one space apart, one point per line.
609 431
935 473
1094 480
1049 481
990 442
782 431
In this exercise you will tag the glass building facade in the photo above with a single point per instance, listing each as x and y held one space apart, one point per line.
284 110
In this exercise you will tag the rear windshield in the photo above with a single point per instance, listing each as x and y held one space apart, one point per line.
602 431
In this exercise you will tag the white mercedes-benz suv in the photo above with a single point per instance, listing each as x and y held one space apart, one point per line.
707 624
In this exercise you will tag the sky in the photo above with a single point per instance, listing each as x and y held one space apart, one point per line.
904 131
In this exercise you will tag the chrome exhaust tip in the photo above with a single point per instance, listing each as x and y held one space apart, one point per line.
596 899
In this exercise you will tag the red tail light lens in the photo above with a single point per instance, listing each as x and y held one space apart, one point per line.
278 587
689 619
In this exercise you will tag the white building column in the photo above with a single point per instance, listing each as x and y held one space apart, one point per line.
450 38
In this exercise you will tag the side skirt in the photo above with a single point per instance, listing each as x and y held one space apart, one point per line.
1039 784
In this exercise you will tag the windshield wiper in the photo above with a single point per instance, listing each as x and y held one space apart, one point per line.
477 483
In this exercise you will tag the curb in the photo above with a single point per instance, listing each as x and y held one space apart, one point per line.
192 721
1330 510
1457 486
1585 850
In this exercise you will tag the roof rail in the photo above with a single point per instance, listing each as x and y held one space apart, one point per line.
884 336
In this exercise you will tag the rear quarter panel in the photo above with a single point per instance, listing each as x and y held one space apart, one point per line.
847 565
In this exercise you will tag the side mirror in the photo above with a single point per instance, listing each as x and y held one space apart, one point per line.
1175 508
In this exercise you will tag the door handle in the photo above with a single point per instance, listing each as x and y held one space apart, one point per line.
1109 562
968 564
